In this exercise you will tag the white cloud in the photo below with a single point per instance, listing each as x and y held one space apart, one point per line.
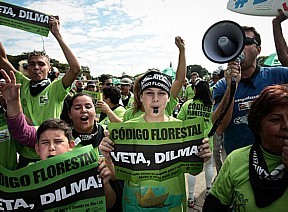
137 34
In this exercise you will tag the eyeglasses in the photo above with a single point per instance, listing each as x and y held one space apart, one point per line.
249 41
124 85
108 84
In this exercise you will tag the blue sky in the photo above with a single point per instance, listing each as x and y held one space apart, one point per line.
115 36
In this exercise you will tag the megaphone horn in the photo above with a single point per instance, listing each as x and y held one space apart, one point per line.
223 42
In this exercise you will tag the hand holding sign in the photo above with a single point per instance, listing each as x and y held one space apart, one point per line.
54 25
280 17
257 7
204 150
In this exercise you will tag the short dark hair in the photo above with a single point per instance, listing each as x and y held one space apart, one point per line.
269 98
257 35
113 93
55 124
104 77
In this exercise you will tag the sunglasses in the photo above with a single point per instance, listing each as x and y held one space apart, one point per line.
108 84
249 41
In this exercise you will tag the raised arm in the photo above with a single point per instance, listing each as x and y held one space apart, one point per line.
16 122
75 68
280 43
11 93
181 69
4 62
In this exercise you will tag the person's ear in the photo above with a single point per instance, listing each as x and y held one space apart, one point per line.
71 145
50 69
258 49
141 98
37 148
168 99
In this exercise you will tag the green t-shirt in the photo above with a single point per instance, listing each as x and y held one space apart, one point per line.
189 92
232 185
168 195
119 111
8 156
129 114
195 108
47 104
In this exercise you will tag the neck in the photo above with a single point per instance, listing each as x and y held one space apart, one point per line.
84 132
247 72
158 118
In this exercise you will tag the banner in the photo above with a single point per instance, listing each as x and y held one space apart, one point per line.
96 95
69 181
24 19
156 151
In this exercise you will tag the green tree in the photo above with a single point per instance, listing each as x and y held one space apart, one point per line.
203 72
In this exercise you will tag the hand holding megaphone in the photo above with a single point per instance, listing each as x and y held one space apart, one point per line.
233 72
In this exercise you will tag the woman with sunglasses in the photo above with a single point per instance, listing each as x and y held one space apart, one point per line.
247 79
199 106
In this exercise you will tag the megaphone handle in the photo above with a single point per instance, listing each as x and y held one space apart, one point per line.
218 121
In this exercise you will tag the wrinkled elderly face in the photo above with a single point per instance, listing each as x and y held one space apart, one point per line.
274 129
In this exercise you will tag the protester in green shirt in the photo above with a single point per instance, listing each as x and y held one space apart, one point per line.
154 95
138 108
54 136
111 109
199 106
40 98
255 177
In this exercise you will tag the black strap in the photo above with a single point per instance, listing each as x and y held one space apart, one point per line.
217 122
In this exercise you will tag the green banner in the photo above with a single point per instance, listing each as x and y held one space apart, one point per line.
156 151
69 181
24 19
96 95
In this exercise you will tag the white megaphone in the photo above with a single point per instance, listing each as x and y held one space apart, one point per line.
223 42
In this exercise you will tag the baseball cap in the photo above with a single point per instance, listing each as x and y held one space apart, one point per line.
219 73
126 81
91 83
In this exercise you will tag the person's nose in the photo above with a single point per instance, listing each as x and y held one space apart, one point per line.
83 109
155 97
285 123
36 66
51 147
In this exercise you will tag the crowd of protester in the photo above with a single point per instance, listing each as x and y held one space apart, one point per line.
78 112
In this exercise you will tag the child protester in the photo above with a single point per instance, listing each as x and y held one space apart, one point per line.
54 136
155 93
